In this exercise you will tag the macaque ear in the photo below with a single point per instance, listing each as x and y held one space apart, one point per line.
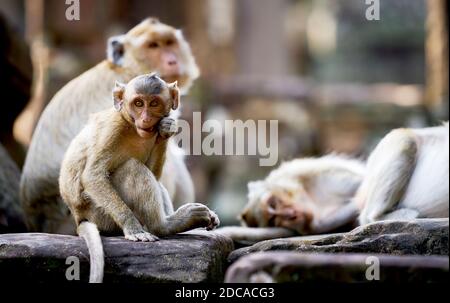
175 94
243 217
248 219
115 49
118 91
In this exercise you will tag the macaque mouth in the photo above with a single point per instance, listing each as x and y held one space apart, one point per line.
147 130
171 77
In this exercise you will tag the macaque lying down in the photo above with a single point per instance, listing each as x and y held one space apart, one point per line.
301 197
406 177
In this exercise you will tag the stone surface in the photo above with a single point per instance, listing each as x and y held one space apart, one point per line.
197 256
288 267
11 216
418 237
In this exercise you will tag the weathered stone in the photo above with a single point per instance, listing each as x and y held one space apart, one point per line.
418 237
11 215
196 256
282 267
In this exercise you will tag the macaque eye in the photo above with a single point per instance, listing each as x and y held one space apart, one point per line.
138 103
154 103
170 42
153 45
272 203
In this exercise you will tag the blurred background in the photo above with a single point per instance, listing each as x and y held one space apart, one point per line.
335 81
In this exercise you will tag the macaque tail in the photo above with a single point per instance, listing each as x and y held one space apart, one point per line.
89 232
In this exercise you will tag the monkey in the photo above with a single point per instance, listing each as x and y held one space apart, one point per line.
393 185
110 173
304 196
151 46
407 176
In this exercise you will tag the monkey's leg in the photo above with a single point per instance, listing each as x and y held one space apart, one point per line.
107 200
184 190
389 171
149 201
187 217
191 216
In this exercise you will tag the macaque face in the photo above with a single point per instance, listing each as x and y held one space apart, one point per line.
280 208
153 46
147 111
145 101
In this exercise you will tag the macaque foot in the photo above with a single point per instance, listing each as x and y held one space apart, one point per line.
197 215
215 222
141 236
167 128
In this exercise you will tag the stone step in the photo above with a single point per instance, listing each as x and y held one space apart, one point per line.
294 267
417 237
196 256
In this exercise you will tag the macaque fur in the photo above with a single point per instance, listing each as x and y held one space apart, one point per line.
405 177
149 47
308 196
110 173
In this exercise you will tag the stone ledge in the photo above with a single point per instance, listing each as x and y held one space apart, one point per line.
196 256
417 237
291 267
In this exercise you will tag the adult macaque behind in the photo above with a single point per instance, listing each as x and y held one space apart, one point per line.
151 46
109 175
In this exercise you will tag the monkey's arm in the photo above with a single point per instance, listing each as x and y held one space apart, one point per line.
98 187
166 129
255 234
158 159
344 215
390 168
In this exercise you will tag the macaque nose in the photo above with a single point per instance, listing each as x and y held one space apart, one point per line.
170 59
172 62
289 214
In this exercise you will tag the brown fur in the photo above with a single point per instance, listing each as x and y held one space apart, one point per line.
108 174
89 93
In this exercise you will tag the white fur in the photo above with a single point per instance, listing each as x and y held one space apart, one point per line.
428 189
89 232
334 180
408 171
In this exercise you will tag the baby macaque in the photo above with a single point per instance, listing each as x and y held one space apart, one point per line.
110 173
308 196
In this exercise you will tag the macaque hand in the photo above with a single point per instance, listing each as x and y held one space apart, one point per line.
168 127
